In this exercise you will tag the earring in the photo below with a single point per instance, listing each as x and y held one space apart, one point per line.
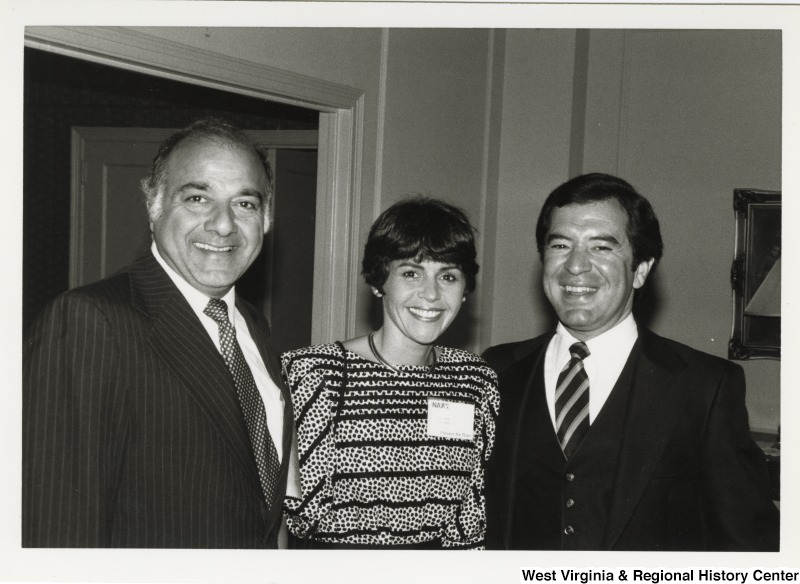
376 292
464 298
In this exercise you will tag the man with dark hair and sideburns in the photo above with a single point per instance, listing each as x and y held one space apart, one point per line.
611 437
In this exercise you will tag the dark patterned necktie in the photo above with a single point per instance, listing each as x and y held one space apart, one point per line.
252 406
572 401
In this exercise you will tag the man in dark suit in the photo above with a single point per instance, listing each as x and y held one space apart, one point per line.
609 436
154 414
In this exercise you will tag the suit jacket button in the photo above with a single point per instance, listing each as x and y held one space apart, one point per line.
569 530
570 477
570 502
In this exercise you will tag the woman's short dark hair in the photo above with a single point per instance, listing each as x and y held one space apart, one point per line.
643 230
420 228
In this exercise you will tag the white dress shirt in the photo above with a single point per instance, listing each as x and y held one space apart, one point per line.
608 353
270 393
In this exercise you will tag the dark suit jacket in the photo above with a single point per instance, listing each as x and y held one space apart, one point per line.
685 456
132 432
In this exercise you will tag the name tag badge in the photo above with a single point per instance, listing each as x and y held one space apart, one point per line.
451 419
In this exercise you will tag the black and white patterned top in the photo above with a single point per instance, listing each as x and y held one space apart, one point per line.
370 472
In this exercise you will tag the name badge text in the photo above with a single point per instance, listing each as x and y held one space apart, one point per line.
451 419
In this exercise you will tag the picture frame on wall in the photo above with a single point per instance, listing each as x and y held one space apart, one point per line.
756 275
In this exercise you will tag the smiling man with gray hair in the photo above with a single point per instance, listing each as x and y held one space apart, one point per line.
154 414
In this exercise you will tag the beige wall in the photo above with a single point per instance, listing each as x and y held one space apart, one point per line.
534 156
702 116
434 130
488 120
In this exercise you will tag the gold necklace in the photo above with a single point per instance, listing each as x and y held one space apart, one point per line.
383 361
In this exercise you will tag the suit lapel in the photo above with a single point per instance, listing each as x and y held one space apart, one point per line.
656 400
182 343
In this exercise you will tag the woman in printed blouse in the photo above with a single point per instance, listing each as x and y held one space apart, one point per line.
394 432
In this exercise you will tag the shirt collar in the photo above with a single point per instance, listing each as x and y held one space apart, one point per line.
196 299
623 334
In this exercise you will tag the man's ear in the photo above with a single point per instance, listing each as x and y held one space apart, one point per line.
641 272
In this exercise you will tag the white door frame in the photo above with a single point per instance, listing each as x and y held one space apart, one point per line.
340 141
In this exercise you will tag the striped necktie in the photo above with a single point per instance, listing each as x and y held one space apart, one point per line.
252 406
572 401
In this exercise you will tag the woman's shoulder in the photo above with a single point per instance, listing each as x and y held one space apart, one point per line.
459 355
462 357
321 353
306 366
460 364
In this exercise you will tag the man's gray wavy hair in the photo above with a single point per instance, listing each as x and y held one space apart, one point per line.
210 128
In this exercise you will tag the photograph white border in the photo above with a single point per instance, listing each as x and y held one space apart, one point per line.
25 565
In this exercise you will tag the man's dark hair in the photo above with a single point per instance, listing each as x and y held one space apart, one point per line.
642 230
420 228
205 128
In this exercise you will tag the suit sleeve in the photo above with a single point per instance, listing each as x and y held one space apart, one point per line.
494 358
72 430
738 509
500 357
